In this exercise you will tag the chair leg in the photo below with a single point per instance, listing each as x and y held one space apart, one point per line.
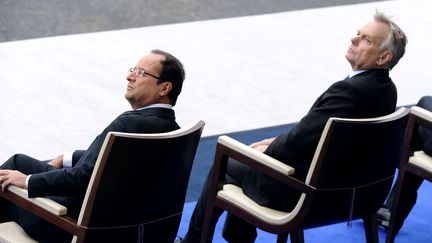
282 238
391 231
208 226
297 236
371 228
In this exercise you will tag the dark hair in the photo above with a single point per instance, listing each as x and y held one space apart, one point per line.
172 71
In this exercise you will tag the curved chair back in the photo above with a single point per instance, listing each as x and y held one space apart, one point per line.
354 166
349 177
138 187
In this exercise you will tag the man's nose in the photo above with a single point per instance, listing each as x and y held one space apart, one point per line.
130 77
355 40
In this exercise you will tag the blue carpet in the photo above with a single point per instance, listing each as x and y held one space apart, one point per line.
415 228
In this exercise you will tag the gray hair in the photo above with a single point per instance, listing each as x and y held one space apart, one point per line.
396 40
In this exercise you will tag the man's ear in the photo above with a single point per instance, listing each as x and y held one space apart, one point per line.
385 58
165 88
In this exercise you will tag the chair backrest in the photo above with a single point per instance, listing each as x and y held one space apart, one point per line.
138 187
354 166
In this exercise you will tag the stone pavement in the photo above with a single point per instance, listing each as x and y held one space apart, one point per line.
42 18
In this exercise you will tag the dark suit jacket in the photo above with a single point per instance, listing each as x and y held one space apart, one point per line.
71 183
369 94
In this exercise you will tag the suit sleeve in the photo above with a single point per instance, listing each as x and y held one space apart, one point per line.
76 156
71 181
74 181
299 143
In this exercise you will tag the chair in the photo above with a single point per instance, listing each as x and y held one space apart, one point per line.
349 178
136 192
415 162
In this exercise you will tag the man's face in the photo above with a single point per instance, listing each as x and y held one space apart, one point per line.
364 52
146 90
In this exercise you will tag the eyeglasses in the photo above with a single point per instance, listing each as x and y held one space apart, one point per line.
140 72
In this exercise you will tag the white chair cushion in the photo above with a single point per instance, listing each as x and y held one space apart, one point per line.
235 194
422 160
11 232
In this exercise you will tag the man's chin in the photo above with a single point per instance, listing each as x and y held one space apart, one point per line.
349 58
129 98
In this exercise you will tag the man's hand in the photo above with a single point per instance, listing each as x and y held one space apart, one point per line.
57 162
12 177
262 145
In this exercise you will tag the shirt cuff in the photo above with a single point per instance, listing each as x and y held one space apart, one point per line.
67 159
27 180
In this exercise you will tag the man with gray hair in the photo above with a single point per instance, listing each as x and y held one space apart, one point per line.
367 92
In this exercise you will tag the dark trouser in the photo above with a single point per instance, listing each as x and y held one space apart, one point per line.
412 182
235 230
406 201
34 226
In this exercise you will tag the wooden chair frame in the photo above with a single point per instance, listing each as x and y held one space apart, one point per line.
411 162
294 222
56 214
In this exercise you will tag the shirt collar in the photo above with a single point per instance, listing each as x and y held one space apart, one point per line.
159 105
356 72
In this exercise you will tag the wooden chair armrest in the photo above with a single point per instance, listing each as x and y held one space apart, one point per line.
260 157
421 159
45 208
261 162
420 164
220 193
424 115
45 203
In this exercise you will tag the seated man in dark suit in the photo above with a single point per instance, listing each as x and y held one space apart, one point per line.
153 87
367 92
411 182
